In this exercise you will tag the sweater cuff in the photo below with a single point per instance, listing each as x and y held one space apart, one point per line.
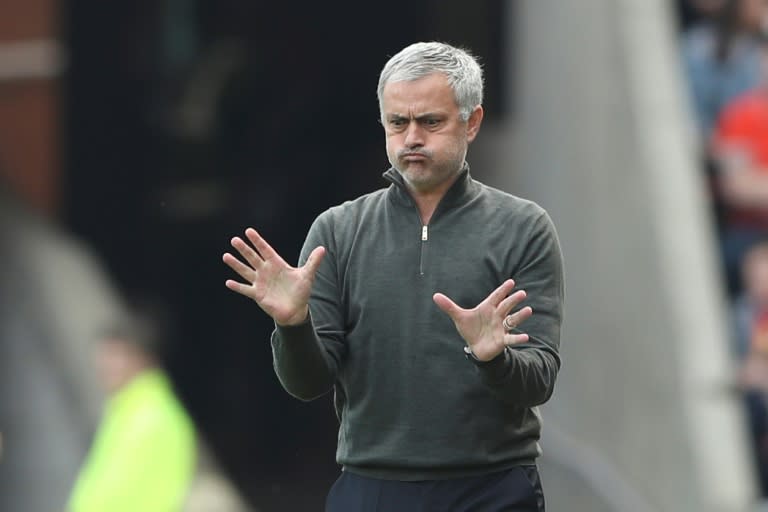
495 370
298 333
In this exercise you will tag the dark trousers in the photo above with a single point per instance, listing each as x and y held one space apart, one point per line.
514 490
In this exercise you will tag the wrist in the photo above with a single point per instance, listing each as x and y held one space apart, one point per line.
295 320
472 357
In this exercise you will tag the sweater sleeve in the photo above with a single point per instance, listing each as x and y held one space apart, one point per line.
307 357
524 375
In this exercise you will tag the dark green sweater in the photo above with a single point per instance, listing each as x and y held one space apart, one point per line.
411 405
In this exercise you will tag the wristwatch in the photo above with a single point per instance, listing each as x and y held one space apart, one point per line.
472 357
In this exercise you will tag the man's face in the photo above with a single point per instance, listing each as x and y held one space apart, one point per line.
426 140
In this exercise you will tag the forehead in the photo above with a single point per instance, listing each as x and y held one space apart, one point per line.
431 92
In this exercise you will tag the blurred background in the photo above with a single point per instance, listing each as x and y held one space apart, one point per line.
137 138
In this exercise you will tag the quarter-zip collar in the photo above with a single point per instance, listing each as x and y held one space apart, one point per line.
462 190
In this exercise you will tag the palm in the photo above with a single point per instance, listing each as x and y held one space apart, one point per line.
281 290
482 327
480 331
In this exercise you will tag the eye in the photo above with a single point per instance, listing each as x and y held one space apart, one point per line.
431 122
397 123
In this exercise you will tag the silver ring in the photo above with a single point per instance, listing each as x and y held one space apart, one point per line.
508 323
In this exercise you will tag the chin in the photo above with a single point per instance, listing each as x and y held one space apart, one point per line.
419 179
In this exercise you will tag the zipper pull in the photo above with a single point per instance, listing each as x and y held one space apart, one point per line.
424 233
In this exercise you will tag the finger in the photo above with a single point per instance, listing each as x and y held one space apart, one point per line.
238 266
515 339
265 250
247 252
506 305
242 289
518 317
502 291
447 305
314 260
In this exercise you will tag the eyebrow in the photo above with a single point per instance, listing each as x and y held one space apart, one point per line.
420 117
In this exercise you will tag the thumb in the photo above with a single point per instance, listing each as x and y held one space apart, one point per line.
313 261
446 305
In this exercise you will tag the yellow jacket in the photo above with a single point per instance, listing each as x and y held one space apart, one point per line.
144 452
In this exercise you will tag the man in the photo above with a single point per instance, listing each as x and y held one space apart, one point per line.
144 453
404 303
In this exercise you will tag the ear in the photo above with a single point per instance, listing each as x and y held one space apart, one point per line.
473 123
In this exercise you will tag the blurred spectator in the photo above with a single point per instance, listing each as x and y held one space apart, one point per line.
751 349
144 453
740 148
720 54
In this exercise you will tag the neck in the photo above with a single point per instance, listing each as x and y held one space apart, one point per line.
426 206
121 380
427 199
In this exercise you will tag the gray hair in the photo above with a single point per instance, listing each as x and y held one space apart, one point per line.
465 76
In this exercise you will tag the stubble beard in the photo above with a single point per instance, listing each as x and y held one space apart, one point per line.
428 177
429 174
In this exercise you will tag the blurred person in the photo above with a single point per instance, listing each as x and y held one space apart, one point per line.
720 54
750 313
144 452
407 302
721 58
740 146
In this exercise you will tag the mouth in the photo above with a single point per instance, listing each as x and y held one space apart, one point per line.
414 157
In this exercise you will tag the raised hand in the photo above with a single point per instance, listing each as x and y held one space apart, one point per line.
486 327
281 290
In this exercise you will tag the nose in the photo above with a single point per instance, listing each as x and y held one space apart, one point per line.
414 135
